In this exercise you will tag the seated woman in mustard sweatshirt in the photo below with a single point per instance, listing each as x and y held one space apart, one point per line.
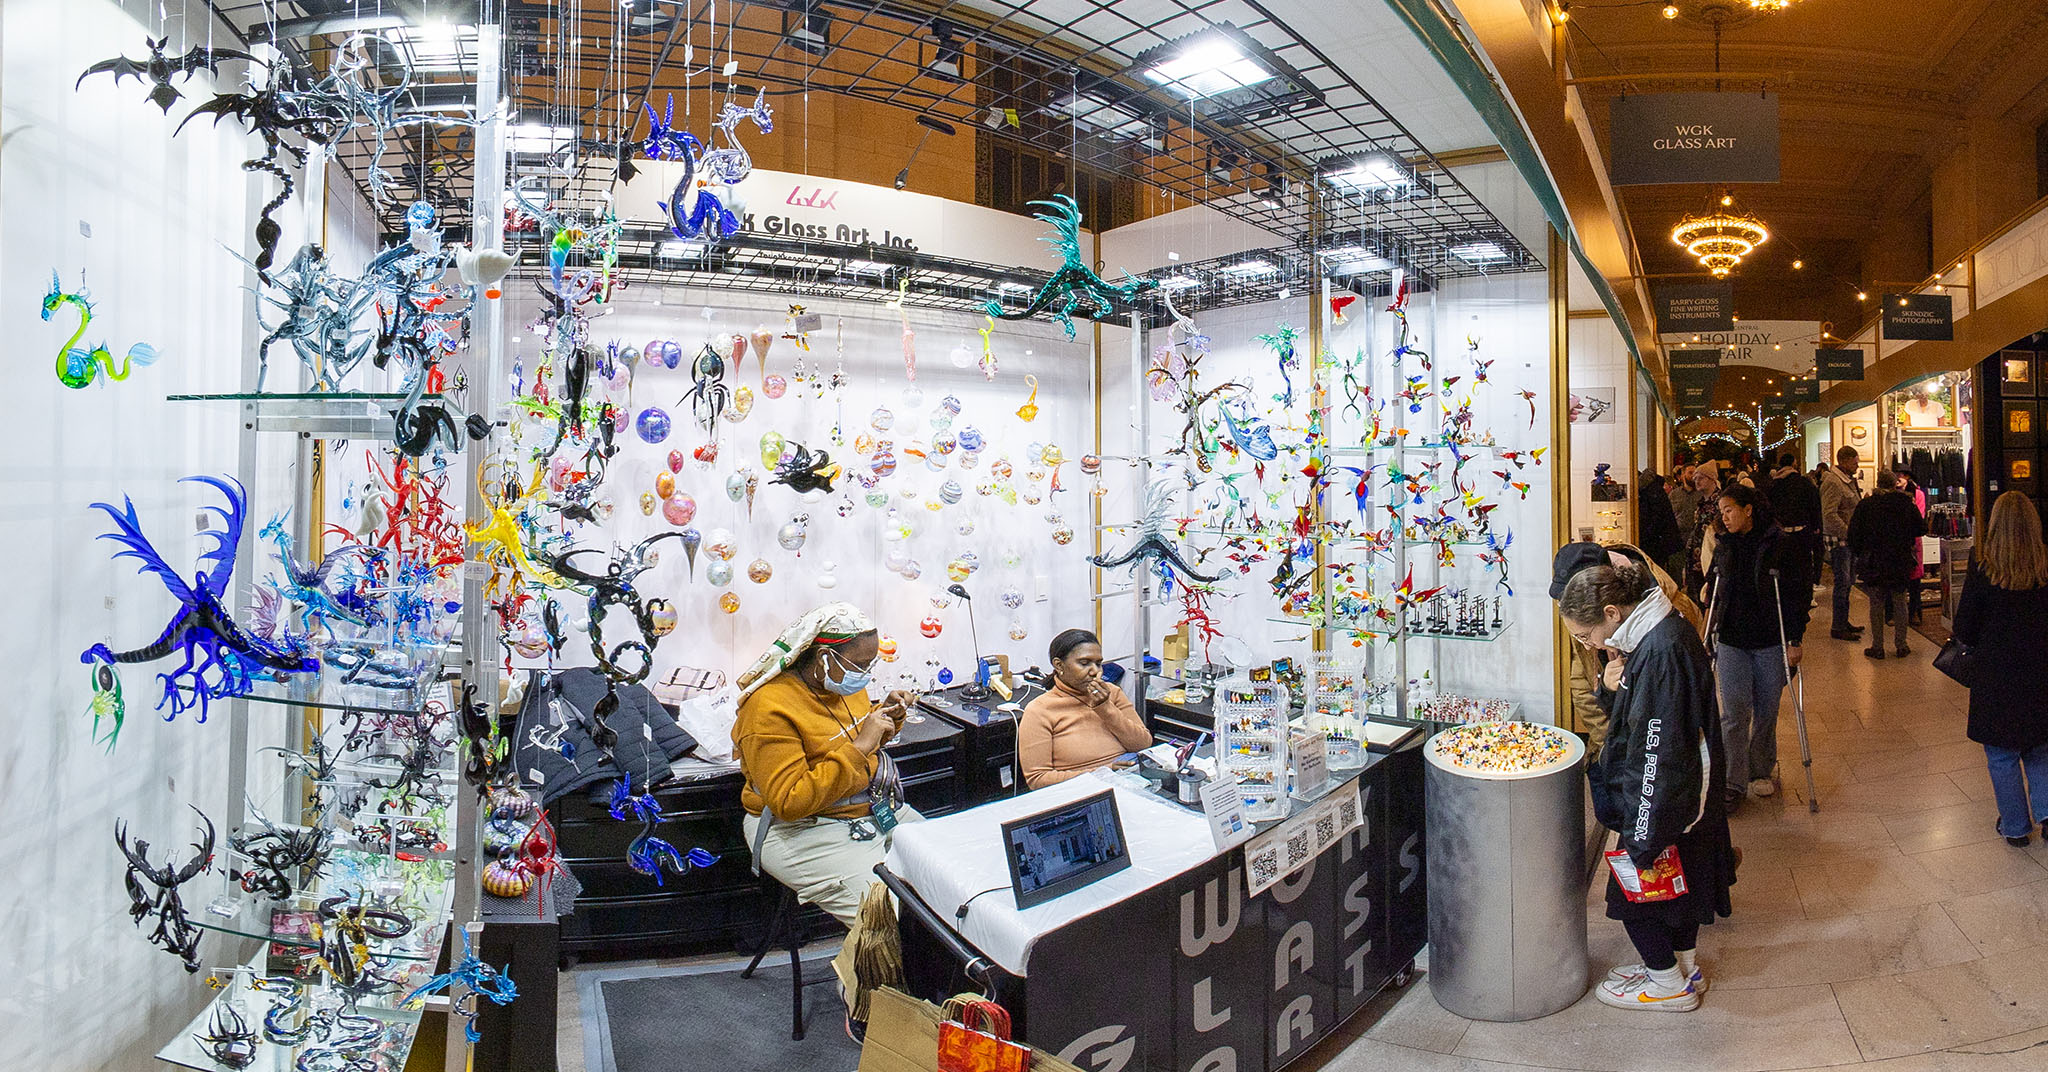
1083 723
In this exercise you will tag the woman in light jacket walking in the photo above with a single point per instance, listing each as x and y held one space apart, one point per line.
2003 620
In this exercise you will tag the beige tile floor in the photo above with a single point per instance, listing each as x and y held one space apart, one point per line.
1893 930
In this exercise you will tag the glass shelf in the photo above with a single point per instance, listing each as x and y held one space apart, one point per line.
329 414
1379 630
1423 445
255 916
400 1027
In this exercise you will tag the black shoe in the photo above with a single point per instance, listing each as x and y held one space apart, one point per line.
2044 830
2020 842
1846 634
1731 800
1902 652
1875 653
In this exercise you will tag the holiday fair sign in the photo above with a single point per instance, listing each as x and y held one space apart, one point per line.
1785 345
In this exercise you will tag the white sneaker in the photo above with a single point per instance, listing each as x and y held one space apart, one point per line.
1639 992
1763 787
1630 971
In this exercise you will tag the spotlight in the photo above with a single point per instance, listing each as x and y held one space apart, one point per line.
1861 296
807 27
929 124
947 52
1223 165
1796 264
1670 11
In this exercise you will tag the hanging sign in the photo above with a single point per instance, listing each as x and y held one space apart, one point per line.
1838 364
1777 407
1693 307
1784 345
1693 138
1694 398
1805 390
1923 317
1700 363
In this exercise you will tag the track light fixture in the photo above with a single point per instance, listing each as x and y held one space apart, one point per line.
806 26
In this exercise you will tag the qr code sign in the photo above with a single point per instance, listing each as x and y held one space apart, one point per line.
1347 811
1298 850
1265 867
1326 828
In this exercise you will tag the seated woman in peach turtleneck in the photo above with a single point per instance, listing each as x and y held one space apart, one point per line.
1082 723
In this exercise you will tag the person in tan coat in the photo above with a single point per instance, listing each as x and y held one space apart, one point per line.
1081 724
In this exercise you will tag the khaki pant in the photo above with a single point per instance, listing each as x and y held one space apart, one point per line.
820 860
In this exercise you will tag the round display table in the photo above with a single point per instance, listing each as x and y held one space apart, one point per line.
1505 815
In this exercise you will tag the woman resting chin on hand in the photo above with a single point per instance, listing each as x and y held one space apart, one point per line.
1083 723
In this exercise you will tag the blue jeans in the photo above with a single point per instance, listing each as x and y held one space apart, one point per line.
2011 787
1844 565
1752 680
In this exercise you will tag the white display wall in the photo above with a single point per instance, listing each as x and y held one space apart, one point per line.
1599 370
848 537
160 210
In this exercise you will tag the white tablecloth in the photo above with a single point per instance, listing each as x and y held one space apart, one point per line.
950 859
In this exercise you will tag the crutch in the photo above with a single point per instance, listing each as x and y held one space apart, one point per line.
1798 695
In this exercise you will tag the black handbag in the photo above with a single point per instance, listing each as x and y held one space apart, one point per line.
1954 659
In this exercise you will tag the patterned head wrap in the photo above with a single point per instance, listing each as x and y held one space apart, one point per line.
833 623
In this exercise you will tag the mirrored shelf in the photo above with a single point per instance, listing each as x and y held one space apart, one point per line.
325 414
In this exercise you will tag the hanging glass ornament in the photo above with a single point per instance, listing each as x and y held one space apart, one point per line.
908 493
1012 597
965 527
882 419
864 443
845 506
774 385
653 425
1017 630
665 485
969 459
886 648
758 571
877 498
897 557
626 356
719 573
662 616
961 355
1032 496
945 675
742 404
1000 469
913 397
883 461
943 444
931 626
898 527
827 579
771 450
721 545
691 539
603 509
679 509
1028 412
762 338
911 570
957 570
620 376
650 354
736 486
1062 533
970 439
791 536
676 458
1010 557
1052 455
729 603
949 492
647 503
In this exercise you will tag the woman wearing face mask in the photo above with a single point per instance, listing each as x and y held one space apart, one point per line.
809 743
1083 723
1654 783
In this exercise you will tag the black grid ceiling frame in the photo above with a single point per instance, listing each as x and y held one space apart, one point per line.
878 51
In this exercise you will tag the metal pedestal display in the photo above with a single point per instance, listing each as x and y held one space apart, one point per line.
1507 886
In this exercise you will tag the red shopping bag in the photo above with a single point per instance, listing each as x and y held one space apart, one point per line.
965 1048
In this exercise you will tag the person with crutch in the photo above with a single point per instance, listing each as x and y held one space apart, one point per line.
1759 624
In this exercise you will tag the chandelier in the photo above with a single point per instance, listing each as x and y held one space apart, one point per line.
1770 5
1719 240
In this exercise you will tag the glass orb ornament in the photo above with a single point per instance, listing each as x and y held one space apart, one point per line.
1035 474
845 507
679 510
911 570
627 355
957 570
603 509
882 419
913 396
1010 557
775 385
650 354
1062 533
950 492
969 459
896 558
898 527
931 626
961 356
882 462
1017 630
621 377
1012 597
886 648
720 545
665 485
719 573
965 527
945 675
1090 464
729 603
971 439
864 443
736 486
1000 469
908 493
647 503
876 498
944 443
935 461
676 459
705 454
1052 455
758 571
741 405
966 560
771 450
662 616
791 536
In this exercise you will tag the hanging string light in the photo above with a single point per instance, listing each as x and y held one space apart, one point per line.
1720 239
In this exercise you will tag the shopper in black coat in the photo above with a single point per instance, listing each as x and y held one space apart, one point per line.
1761 599
1656 527
1884 537
2003 619
1654 783
1795 501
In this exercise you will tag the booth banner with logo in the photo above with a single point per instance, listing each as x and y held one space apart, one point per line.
1783 345
1693 138
1920 317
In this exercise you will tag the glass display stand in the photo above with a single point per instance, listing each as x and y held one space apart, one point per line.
399 1027
1251 742
1333 707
